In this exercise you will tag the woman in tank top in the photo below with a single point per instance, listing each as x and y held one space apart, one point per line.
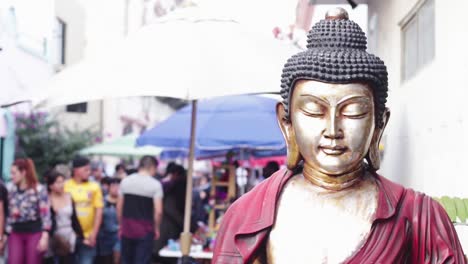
65 226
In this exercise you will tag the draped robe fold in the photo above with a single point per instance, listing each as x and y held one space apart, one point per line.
409 227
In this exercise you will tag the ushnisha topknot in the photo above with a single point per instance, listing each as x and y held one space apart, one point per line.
336 53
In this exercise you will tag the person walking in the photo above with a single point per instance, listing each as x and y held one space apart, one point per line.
66 229
97 171
28 221
108 239
270 168
139 210
120 171
3 216
87 196
172 223
201 199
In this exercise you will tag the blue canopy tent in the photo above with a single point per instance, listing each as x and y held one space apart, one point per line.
242 153
244 122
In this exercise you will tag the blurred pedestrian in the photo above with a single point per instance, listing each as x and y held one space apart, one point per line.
97 171
3 216
158 176
230 159
132 171
120 171
204 184
201 197
172 223
66 229
169 169
63 169
140 209
242 178
105 184
270 168
87 196
254 179
28 222
108 244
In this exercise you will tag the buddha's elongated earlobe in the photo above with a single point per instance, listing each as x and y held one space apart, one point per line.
373 155
294 156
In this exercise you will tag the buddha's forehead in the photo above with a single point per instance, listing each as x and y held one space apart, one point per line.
331 92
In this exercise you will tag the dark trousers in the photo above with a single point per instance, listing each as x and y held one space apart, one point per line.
109 259
137 250
59 260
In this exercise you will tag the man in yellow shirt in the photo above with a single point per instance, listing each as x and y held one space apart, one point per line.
88 200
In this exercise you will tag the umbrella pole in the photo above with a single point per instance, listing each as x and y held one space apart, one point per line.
186 236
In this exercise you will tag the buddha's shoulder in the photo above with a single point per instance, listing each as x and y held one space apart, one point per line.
408 198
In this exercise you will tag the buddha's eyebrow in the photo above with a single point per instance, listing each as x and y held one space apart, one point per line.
354 97
322 100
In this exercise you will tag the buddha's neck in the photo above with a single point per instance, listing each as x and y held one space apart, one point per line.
333 182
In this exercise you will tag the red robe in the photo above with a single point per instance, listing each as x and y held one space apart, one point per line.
409 227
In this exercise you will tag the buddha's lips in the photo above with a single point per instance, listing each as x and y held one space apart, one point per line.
333 150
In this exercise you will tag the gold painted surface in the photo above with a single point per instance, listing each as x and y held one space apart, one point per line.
316 225
331 125
332 182
325 214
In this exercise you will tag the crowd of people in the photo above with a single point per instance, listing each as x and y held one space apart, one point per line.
90 217
87 217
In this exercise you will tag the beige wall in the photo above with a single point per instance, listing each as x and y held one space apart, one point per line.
80 121
93 26
73 14
144 110
425 141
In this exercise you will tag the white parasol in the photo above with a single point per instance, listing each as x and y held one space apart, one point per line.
181 58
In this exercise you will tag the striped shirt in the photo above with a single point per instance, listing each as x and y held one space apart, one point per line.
138 192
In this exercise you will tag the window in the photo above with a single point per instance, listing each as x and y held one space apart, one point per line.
77 108
60 30
418 37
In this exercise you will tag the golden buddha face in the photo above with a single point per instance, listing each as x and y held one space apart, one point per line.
332 125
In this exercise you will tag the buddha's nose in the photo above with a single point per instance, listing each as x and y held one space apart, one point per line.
333 130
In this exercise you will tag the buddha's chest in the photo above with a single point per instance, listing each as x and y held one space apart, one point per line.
316 226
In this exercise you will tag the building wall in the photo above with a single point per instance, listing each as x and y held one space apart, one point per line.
424 143
136 113
92 27
25 43
91 120
74 14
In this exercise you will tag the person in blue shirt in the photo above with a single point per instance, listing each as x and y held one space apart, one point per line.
108 244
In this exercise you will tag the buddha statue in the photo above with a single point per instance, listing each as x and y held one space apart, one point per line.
330 205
